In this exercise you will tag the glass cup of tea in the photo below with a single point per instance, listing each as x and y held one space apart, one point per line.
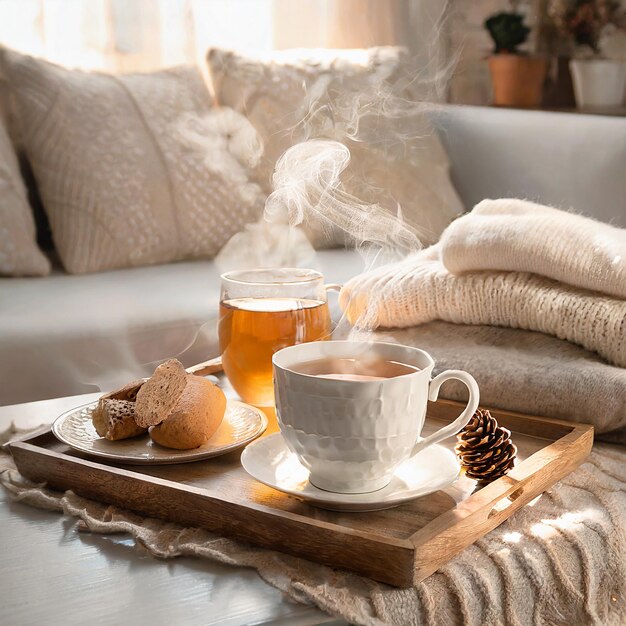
263 311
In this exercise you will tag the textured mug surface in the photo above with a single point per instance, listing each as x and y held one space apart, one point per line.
352 435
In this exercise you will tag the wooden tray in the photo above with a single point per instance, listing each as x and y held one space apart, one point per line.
400 546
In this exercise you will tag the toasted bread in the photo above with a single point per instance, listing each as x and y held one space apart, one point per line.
115 419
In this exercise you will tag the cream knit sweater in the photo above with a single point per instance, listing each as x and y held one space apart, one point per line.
520 236
421 288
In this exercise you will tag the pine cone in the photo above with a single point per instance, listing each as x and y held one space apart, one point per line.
484 448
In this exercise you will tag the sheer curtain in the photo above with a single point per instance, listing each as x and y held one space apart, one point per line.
133 35
138 35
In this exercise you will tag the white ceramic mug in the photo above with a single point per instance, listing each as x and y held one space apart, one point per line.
353 434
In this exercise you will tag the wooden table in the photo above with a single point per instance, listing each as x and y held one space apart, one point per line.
51 574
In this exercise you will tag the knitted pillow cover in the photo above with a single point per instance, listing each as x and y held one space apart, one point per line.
19 254
397 161
120 182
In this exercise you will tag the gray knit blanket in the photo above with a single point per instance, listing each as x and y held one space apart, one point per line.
526 371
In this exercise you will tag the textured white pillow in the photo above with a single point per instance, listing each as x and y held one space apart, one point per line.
19 254
121 183
398 155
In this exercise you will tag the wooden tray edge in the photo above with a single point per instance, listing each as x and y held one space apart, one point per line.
400 562
493 504
534 425
388 559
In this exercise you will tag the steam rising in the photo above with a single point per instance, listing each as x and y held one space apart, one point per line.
308 187
329 180
113 362
378 114
265 244
339 178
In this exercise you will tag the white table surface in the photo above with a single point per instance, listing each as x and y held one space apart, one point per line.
51 574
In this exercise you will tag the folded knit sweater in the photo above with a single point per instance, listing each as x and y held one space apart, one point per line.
421 288
520 236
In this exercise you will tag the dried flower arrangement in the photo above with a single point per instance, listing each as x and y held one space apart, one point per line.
595 27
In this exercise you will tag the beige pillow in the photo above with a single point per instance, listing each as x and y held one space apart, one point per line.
120 181
19 254
397 155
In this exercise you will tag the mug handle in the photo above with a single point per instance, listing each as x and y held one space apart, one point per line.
461 420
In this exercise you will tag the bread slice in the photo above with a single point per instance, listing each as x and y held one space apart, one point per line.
160 393
115 419
196 416
127 392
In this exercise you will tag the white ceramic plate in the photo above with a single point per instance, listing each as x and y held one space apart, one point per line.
272 463
242 423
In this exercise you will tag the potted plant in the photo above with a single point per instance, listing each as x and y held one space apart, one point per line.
597 32
517 78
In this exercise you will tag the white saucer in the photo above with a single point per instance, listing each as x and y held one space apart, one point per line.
272 463
241 424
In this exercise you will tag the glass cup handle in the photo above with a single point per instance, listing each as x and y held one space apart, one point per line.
337 288
461 420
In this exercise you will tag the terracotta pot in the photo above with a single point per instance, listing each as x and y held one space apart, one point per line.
517 79
599 83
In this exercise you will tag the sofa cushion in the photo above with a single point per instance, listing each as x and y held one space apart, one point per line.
67 334
569 160
120 178
366 99
19 254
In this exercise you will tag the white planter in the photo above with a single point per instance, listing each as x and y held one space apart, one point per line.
598 83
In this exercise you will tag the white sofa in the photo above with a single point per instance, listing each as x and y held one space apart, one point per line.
64 335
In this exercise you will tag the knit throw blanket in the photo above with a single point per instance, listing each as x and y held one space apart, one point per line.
525 371
509 263
561 560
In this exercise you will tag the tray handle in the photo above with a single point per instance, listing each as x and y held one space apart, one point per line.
508 499
488 507
212 366
494 499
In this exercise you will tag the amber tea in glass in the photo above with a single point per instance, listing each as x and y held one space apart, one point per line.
262 311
